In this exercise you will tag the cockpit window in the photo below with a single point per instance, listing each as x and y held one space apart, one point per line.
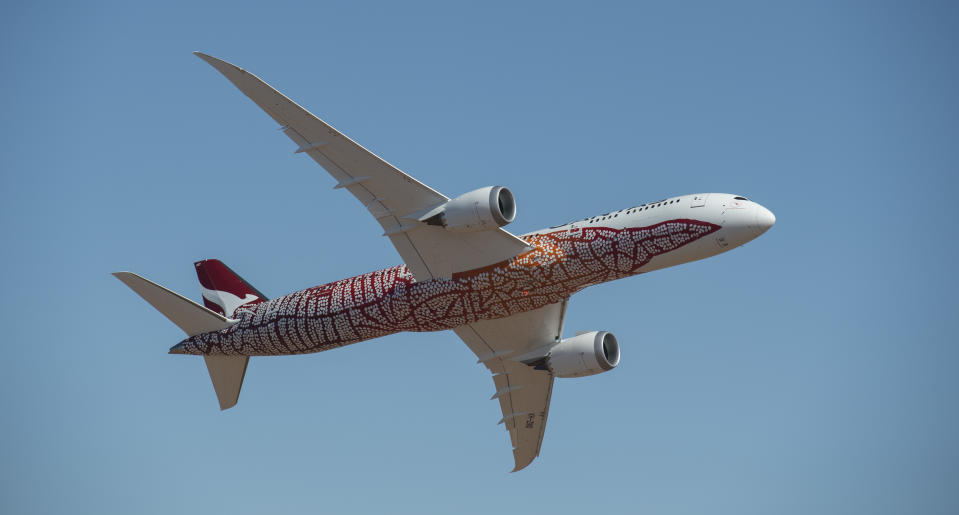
740 198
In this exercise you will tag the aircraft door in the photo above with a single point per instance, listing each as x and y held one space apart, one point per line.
699 200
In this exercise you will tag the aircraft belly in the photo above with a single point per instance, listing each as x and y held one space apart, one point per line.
390 300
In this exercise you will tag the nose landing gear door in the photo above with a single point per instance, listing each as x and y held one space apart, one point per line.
699 200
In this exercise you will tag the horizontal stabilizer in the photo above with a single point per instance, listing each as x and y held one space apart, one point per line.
227 373
187 315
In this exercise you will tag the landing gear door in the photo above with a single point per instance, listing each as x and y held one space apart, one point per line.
699 200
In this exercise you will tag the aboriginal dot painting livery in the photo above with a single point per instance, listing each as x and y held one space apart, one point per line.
504 296
390 300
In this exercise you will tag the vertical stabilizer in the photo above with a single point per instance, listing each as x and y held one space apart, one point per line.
223 290
226 292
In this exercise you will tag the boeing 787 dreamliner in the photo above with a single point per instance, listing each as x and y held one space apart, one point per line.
505 296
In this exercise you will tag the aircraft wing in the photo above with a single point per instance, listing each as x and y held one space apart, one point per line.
523 391
388 194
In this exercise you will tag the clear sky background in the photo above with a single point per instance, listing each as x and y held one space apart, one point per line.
812 371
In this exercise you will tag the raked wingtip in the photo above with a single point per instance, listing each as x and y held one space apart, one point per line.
213 61
220 65
206 57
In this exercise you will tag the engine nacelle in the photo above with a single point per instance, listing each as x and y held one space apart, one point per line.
479 210
584 355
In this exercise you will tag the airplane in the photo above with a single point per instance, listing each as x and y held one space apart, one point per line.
505 296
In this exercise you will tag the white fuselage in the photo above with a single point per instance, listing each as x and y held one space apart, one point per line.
740 220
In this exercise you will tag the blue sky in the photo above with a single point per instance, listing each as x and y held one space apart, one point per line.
812 371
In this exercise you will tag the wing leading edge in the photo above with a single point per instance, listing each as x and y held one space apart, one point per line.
390 195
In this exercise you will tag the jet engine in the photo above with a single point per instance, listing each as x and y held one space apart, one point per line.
584 355
479 210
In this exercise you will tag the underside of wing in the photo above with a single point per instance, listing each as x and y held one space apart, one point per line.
523 390
525 406
390 195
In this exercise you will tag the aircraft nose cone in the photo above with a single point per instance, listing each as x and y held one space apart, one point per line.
764 218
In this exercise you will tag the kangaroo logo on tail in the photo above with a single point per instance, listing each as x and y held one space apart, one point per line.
226 301
223 290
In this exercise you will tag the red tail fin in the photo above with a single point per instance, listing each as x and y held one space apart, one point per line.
223 290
